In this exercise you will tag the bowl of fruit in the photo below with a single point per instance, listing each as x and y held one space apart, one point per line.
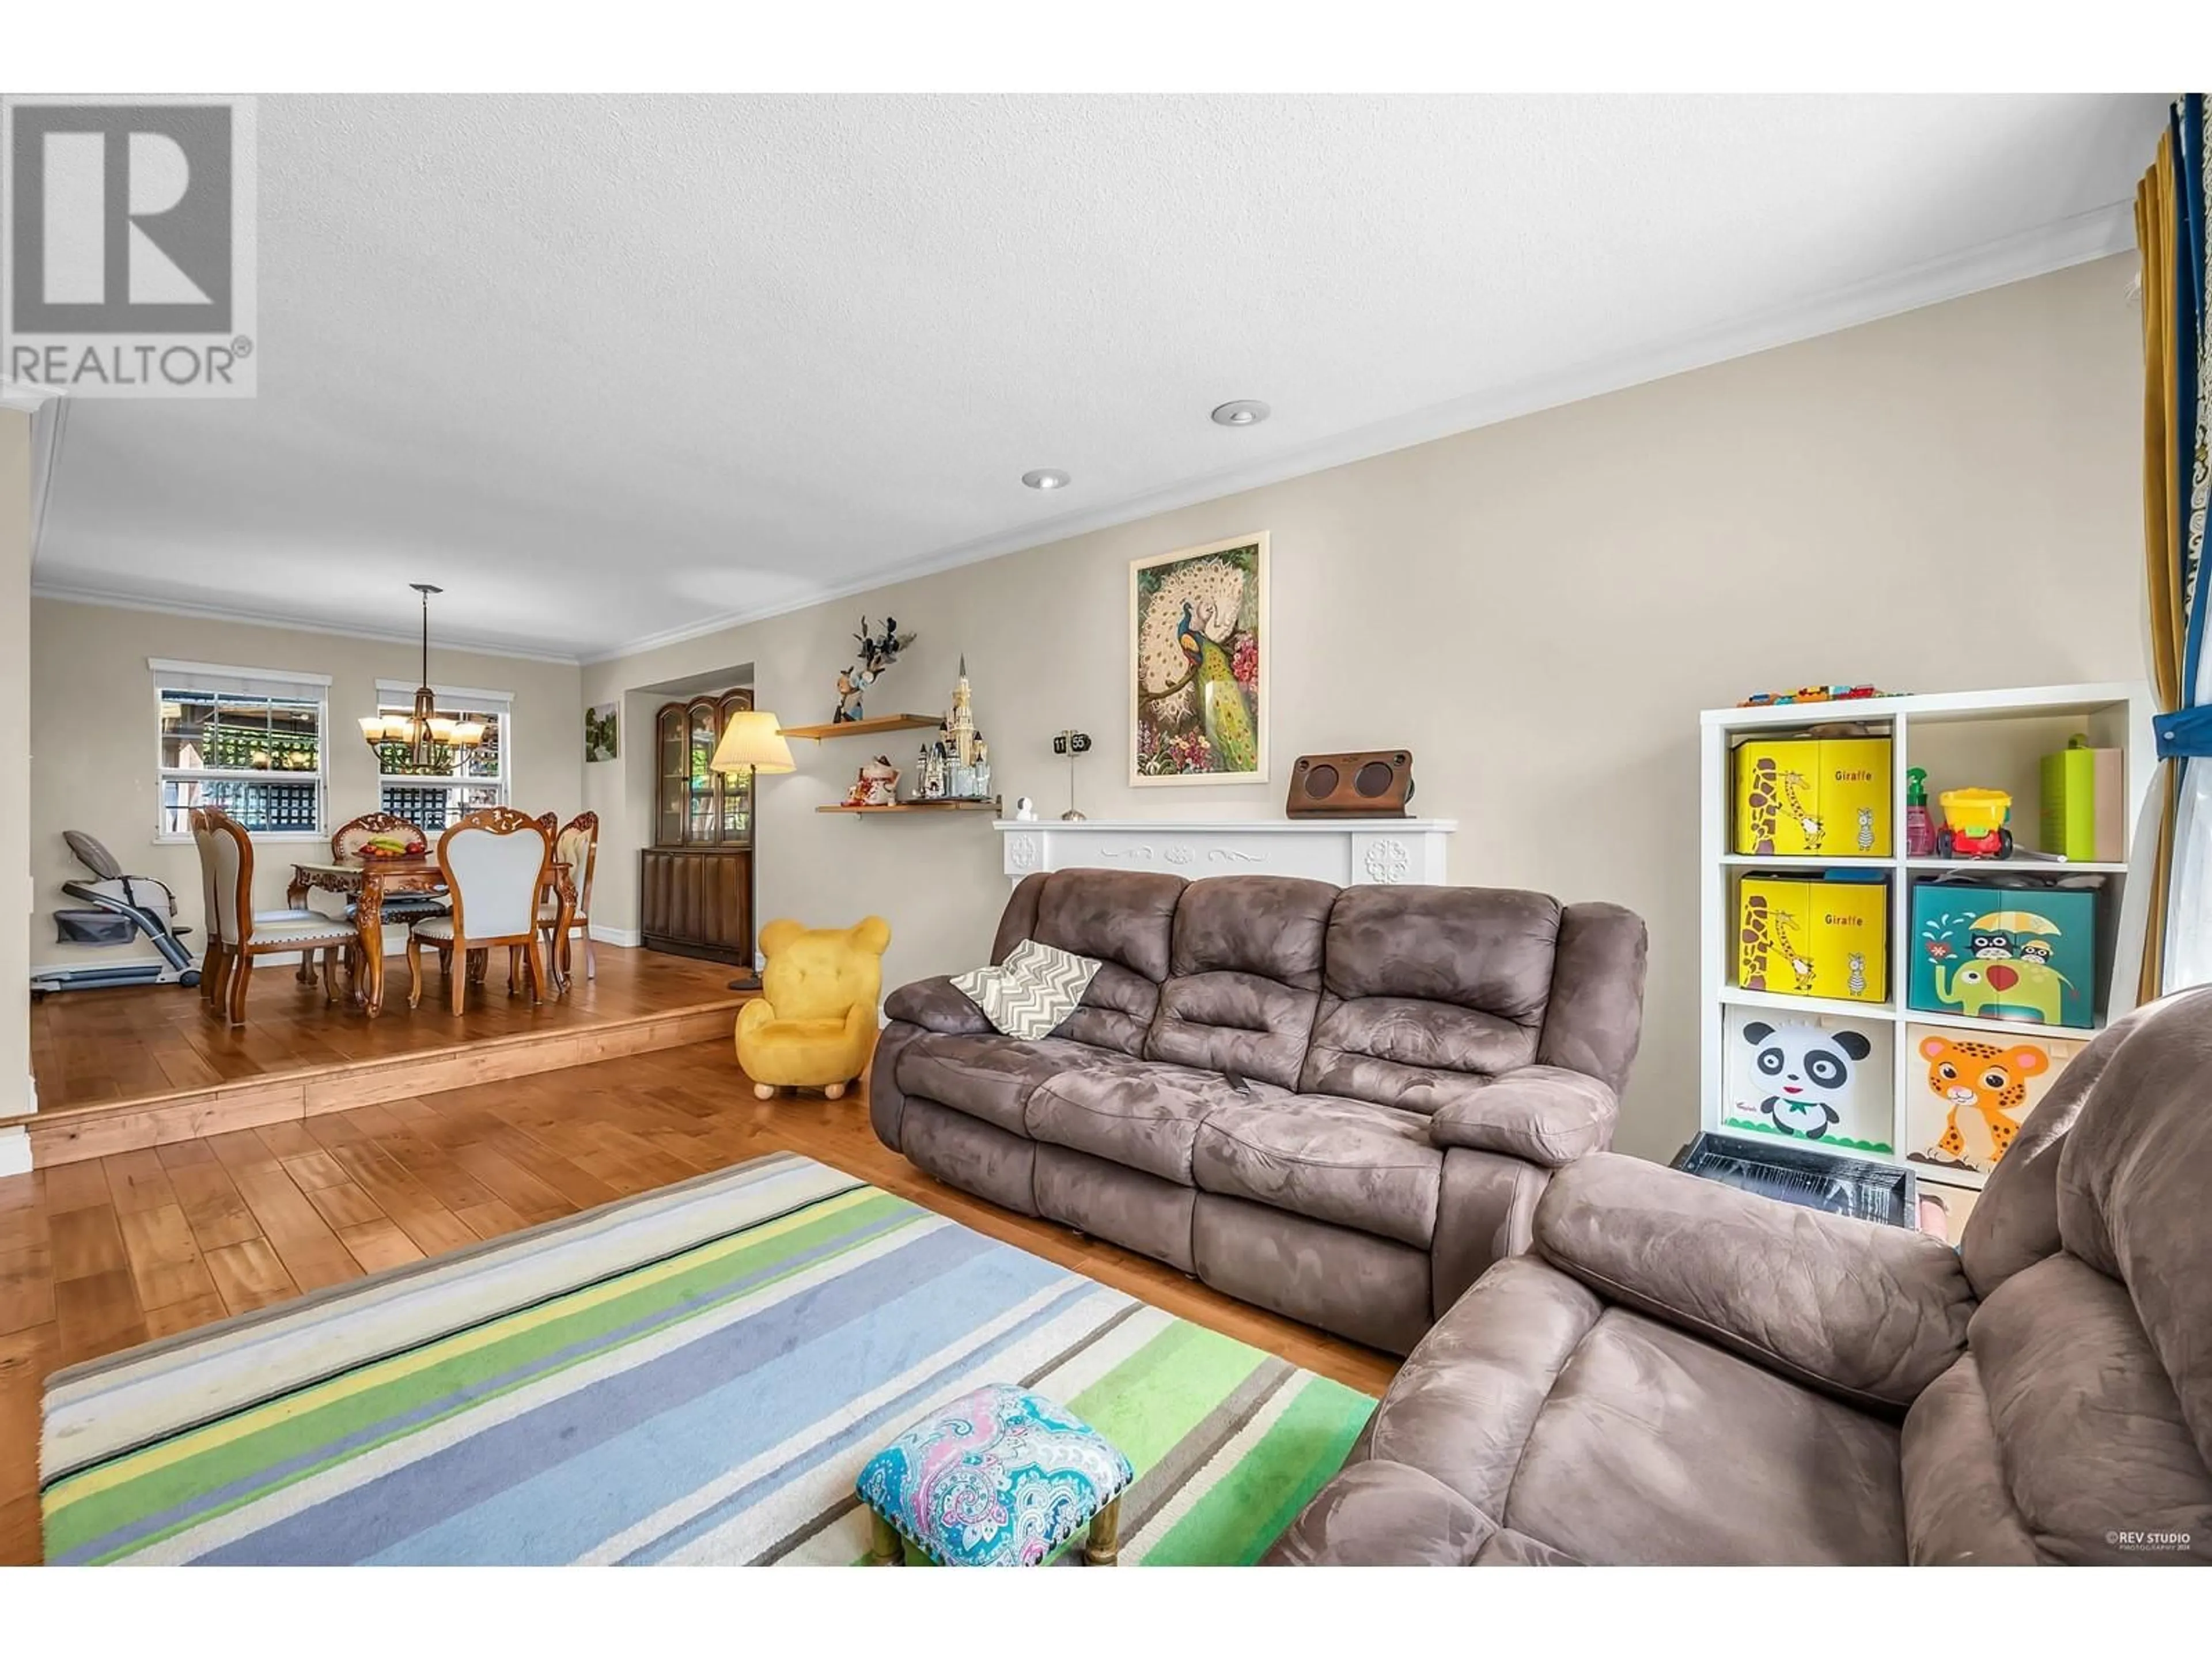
388 847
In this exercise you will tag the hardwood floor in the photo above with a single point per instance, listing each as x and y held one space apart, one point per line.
99 1255
99 1047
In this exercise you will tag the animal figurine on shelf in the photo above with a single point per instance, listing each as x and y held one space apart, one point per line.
876 785
876 652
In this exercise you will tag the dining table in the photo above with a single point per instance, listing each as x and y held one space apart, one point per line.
369 881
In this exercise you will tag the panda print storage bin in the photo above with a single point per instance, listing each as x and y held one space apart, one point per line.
1826 1079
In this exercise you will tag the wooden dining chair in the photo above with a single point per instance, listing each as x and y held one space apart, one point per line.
577 846
496 861
399 908
213 953
238 935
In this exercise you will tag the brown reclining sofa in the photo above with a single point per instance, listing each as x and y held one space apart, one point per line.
1681 1373
1338 1103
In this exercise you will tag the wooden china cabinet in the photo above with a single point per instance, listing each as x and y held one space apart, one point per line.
696 881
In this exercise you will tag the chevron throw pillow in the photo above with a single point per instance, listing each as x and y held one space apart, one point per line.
1031 992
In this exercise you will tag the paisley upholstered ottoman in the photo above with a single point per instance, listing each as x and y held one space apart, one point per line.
1000 1478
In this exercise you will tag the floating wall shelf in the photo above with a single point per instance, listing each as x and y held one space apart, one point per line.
864 728
919 806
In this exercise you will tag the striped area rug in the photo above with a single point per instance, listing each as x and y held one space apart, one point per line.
695 1375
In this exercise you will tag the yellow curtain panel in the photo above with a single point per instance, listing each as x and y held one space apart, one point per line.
2169 621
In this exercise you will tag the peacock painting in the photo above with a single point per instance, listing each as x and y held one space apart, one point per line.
1198 668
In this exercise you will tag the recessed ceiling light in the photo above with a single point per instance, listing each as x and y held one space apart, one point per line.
1046 477
1245 411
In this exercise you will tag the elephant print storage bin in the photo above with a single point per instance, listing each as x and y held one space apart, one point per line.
2017 952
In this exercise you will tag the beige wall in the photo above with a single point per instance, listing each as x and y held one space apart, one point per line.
1539 609
15 762
92 713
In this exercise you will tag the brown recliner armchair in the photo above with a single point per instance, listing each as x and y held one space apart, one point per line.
1681 1373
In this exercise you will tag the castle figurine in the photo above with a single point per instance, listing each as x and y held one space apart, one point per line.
962 755
960 722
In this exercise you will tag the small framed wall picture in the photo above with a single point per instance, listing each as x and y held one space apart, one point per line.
1199 649
603 731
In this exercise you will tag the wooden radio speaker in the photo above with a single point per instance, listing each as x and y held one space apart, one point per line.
1376 783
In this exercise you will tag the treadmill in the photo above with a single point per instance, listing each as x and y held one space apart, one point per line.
121 908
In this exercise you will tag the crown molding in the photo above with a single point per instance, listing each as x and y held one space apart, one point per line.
27 396
49 412
73 595
2053 247
2067 242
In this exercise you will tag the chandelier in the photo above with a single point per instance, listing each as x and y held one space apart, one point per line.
426 729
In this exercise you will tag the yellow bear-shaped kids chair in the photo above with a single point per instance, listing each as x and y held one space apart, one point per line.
815 1020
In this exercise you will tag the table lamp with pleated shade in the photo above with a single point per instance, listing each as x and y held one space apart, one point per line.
750 739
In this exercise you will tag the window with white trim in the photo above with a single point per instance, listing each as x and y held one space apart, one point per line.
247 740
456 779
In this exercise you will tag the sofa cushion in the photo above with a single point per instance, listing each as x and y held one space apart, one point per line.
1123 916
1349 1162
1594 1016
1655 1449
1384 1515
2131 1191
936 1005
1422 1056
1244 976
1271 925
1543 1114
1372 1290
989 1078
1120 918
1108 1200
1035 988
1871 1314
1957 1511
1138 1114
1425 985
1470 1393
1115 1012
2094 1440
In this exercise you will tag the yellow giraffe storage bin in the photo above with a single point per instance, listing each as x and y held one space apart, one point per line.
1818 797
1813 937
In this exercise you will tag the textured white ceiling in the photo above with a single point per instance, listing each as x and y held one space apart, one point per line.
613 369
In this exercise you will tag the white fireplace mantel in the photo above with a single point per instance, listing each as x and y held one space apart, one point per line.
1350 851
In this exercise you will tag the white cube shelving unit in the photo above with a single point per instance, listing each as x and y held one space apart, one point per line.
1991 738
